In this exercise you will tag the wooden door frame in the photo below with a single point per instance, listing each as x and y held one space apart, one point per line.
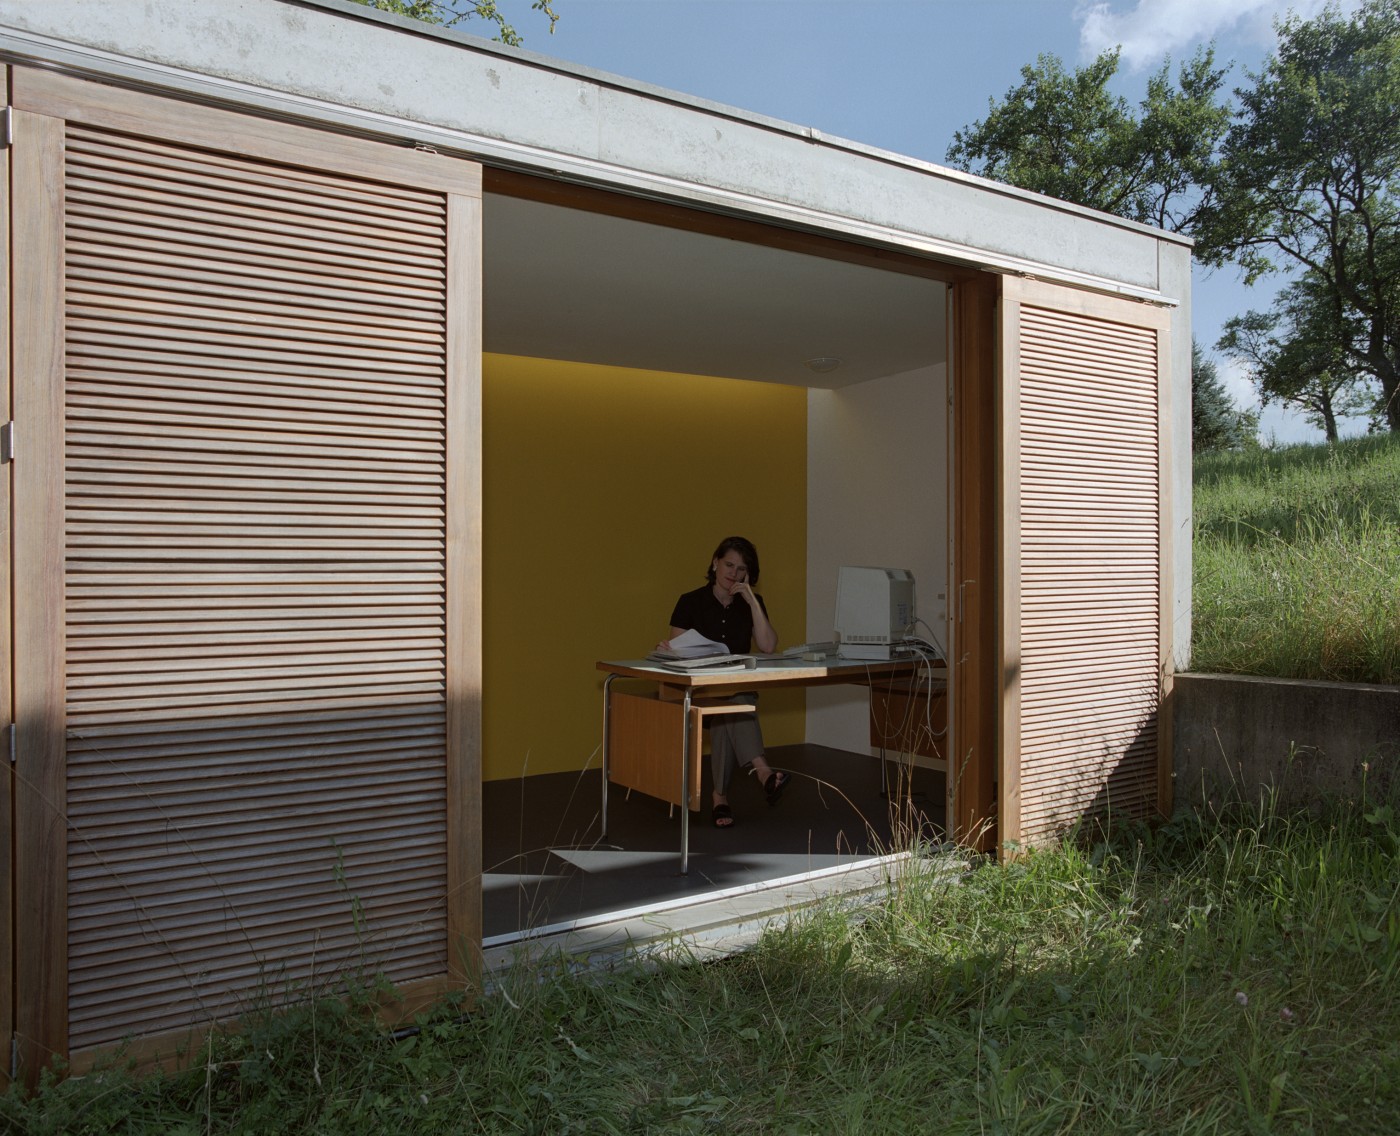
7 778
974 595
40 847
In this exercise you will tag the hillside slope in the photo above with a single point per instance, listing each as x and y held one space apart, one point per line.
1297 562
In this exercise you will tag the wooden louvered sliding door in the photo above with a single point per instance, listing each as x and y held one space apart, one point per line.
1085 579
247 661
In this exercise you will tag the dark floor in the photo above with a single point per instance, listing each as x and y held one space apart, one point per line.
546 863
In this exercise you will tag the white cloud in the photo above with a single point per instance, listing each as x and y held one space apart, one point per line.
1238 385
1151 29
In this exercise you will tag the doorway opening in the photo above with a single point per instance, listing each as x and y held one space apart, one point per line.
656 379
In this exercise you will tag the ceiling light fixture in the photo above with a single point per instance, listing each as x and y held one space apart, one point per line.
823 364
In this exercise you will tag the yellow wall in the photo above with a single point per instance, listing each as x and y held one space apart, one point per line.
605 492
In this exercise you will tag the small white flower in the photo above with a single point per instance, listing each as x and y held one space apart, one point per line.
1241 997
1286 1014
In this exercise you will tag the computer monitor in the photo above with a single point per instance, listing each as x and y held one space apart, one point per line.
874 611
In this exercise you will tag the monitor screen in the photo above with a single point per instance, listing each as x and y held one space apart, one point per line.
874 611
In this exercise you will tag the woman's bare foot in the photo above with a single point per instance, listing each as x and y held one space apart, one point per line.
772 781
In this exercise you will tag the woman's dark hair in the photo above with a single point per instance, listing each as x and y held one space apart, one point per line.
744 548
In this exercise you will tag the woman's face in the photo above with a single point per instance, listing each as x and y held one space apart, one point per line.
730 570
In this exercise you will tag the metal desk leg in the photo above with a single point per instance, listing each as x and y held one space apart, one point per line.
607 717
685 782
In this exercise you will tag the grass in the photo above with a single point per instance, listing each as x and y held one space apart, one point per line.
1297 558
1228 972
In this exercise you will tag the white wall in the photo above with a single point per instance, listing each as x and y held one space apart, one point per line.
877 494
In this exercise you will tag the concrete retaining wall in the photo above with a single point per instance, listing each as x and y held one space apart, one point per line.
1310 740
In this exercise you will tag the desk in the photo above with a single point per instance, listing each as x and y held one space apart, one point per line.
658 734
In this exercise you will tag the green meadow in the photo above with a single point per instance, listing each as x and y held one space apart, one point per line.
1297 562
1228 972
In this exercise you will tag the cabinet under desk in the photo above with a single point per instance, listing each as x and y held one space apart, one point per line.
910 717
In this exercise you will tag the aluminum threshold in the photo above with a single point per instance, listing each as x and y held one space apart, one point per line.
703 927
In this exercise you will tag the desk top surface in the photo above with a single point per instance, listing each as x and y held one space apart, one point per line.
773 672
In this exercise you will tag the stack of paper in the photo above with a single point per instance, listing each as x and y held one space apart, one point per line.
689 645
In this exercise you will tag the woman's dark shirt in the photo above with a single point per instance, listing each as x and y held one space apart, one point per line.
732 625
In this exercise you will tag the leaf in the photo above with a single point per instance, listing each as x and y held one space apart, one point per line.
1152 1062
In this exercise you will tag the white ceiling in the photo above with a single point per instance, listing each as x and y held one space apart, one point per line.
587 287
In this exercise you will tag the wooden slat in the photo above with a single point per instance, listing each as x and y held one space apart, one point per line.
101 184
336 342
244 471
198 281
259 568
205 174
97 288
163 260
146 310
90 216
95 716
1087 559
315 262
175 414
107 183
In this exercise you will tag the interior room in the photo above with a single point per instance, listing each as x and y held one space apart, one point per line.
650 388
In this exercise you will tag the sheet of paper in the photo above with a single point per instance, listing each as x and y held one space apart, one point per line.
691 645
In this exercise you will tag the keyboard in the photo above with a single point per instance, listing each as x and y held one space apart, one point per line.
811 650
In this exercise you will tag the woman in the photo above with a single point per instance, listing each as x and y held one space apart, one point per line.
729 611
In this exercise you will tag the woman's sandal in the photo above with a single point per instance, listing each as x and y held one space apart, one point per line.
723 816
774 786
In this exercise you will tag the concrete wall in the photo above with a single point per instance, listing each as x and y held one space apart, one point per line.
403 80
877 494
1310 740
1176 471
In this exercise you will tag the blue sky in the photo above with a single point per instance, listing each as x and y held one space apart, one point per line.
904 75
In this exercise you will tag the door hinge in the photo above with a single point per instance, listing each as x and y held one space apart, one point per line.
7 442
7 126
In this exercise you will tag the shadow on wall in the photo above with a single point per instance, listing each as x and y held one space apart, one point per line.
1091 775
1308 741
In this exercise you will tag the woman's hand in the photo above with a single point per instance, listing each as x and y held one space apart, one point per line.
741 588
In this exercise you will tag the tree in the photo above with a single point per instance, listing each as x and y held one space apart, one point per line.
1310 176
1296 354
1063 134
449 13
1216 424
